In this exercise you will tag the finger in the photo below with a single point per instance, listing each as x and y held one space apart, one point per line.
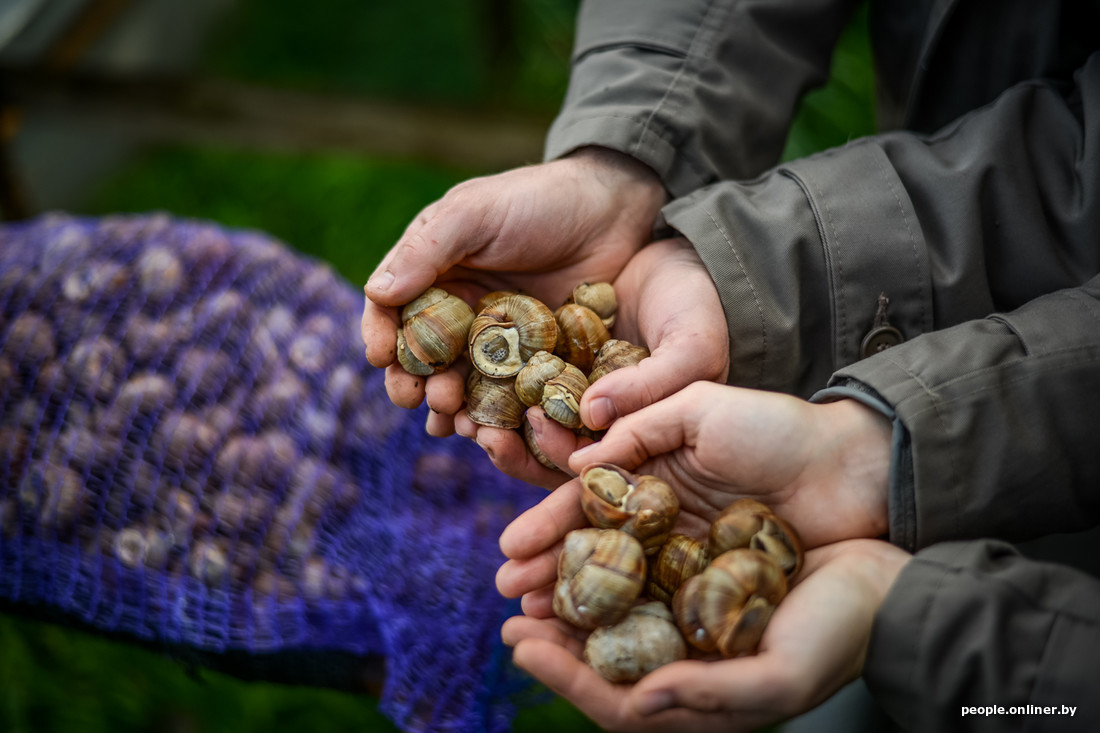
442 236
539 603
653 430
555 631
673 365
378 328
464 426
746 686
555 441
561 671
445 392
439 425
516 577
545 524
404 389
509 453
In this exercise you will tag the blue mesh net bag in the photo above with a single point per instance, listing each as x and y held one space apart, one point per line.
194 454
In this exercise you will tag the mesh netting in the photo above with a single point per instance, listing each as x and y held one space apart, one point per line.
194 452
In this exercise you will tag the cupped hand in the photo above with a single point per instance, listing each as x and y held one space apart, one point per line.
541 230
667 303
815 643
822 467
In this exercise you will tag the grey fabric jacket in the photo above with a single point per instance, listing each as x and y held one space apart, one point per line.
978 214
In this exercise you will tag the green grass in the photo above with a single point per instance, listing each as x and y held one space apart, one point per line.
348 211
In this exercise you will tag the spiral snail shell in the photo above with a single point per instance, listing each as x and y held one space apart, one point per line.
600 574
435 326
632 648
509 332
749 523
727 606
644 507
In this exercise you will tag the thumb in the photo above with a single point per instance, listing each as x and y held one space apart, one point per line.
674 364
439 238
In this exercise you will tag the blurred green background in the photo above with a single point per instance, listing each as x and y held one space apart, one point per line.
494 57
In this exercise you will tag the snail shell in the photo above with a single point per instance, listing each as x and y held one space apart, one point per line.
561 398
599 297
615 354
408 360
436 324
509 332
600 575
749 523
643 641
680 558
532 378
581 333
644 507
728 605
493 402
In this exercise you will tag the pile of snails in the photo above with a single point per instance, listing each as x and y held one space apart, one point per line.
523 353
646 594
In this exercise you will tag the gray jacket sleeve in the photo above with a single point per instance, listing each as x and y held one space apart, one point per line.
976 625
700 90
993 211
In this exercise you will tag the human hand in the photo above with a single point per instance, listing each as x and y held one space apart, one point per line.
668 303
541 229
822 467
814 644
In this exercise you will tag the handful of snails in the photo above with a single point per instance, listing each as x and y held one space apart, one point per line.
647 594
523 353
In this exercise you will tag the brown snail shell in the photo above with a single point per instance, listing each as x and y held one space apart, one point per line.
561 398
509 332
727 607
436 325
679 558
600 575
493 402
615 354
532 378
643 641
749 523
408 360
644 507
599 297
492 297
581 333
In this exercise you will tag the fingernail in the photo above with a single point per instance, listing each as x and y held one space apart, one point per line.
602 412
655 702
381 281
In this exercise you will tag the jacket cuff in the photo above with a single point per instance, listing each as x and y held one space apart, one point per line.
800 257
900 491
974 624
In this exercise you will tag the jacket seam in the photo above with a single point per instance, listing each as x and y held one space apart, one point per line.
685 64
912 238
752 289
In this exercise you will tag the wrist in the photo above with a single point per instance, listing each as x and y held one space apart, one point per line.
621 172
859 446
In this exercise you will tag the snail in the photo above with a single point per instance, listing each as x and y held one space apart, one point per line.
493 402
598 297
435 326
632 648
681 557
600 575
554 384
644 507
749 523
510 331
615 354
581 333
726 607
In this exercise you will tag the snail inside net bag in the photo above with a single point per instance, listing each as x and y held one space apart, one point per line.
195 455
